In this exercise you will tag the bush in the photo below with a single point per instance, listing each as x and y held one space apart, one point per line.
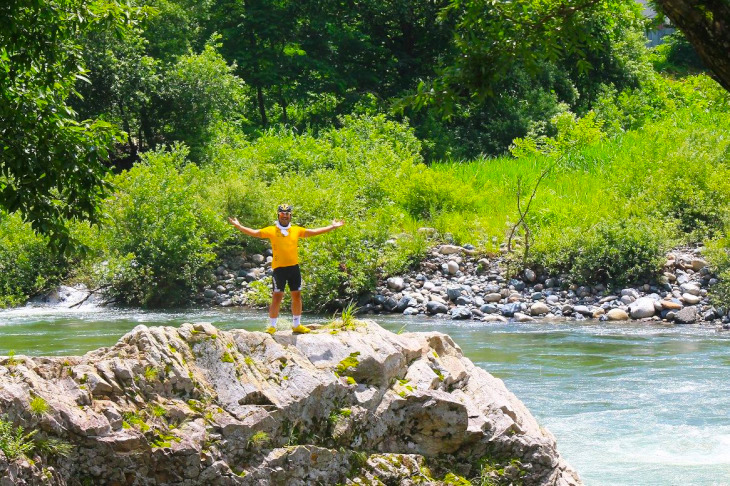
718 254
343 264
676 55
426 193
27 264
14 443
613 252
158 235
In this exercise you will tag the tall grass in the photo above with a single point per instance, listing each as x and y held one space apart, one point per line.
670 180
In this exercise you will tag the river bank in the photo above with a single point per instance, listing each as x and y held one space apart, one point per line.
453 282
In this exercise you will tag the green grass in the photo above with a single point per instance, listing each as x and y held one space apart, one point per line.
158 410
259 439
38 406
670 179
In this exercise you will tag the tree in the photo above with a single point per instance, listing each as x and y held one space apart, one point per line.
123 80
197 91
51 165
706 25
293 51
491 37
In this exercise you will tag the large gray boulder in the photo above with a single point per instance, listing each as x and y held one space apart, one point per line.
687 315
642 308
196 405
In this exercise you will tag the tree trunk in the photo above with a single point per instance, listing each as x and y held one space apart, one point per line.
262 106
706 25
283 103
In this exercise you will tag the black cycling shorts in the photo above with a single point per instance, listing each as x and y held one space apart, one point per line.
291 275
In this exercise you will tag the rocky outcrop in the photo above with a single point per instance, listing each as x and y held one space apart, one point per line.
352 404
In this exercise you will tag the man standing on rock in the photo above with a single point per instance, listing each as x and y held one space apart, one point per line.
284 238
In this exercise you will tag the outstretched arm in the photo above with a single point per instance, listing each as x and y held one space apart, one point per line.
318 231
248 231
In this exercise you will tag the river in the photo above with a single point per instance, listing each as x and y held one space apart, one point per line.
630 404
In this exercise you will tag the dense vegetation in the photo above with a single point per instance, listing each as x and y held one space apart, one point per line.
230 112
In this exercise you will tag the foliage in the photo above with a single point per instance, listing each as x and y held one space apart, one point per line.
490 38
346 172
259 439
146 97
158 239
455 479
51 164
38 406
173 28
625 173
53 447
328 54
27 264
676 55
122 82
493 473
259 294
347 320
718 254
571 132
704 24
134 419
403 252
349 363
426 193
343 267
14 442
204 88
614 252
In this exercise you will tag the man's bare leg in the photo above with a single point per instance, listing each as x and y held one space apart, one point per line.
296 311
276 299
296 303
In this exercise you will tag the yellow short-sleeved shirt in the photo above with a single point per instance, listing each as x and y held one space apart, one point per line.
285 248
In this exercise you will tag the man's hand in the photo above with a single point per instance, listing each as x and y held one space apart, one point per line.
243 229
336 223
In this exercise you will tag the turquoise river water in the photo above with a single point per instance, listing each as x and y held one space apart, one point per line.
629 404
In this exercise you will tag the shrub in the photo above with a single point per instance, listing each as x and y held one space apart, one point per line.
38 406
614 251
426 193
718 254
159 234
340 264
572 133
14 442
27 264
676 55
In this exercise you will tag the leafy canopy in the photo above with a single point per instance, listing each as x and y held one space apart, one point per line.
491 36
51 164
